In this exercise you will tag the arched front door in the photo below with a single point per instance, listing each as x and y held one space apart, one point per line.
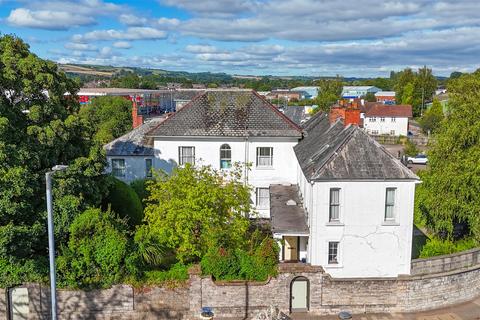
299 294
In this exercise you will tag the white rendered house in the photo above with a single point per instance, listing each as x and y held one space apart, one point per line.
217 128
334 196
355 217
381 119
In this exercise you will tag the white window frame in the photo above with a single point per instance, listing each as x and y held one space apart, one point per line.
119 171
148 171
262 201
392 132
375 132
264 158
382 119
184 159
337 255
390 205
332 205
394 119
225 156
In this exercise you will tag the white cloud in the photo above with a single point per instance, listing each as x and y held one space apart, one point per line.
46 19
60 15
133 33
132 20
122 45
199 48
80 46
213 7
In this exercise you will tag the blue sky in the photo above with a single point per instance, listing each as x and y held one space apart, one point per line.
280 37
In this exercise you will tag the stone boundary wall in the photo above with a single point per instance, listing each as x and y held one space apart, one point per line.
245 299
329 295
242 299
120 302
3 304
445 263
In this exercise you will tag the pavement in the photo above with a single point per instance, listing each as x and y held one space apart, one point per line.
465 311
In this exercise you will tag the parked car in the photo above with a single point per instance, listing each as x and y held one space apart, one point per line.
418 159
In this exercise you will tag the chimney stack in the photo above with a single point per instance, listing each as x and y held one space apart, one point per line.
137 119
348 111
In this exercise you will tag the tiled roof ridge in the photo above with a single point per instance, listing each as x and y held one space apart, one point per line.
283 116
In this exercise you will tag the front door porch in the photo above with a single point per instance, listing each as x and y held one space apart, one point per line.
293 248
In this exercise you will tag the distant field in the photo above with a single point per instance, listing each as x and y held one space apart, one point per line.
86 70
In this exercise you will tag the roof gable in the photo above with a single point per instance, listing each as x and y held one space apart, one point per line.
344 153
236 113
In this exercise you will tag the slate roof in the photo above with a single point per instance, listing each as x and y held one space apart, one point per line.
295 113
186 94
383 110
233 113
134 143
287 218
345 153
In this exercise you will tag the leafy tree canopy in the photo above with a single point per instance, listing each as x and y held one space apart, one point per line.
197 208
328 93
415 88
450 191
107 118
433 117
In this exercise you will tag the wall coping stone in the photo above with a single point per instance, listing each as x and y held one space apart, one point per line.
439 274
446 256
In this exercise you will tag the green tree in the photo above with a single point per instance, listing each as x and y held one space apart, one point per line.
131 80
328 93
425 86
107 118
407 96
124 200
402 79
432 118
38 129
97 254
411 148
415 88
455 75
450 191
197 208
370 97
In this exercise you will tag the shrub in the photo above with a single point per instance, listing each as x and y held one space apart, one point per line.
258 264
98 252
140 188
437 247
178 272
28 270
124 200
411 148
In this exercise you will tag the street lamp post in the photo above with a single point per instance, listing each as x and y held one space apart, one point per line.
51 239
